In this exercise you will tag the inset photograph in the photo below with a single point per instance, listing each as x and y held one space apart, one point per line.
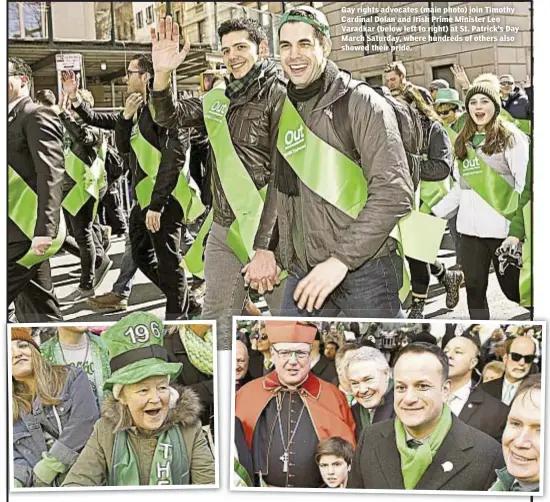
127 404
388 406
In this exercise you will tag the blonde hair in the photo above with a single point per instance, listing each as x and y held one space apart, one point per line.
49 380
496 366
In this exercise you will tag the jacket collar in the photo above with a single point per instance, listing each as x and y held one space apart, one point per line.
311 386
337 89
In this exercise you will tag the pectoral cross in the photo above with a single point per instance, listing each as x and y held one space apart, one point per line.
284 459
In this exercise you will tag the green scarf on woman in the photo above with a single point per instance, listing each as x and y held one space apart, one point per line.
415 461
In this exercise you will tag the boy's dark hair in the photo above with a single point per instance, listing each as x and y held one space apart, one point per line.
336 446
20 68
423 348
255 31
145 63
45 97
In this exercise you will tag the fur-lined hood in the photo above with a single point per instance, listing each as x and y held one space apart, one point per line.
186 411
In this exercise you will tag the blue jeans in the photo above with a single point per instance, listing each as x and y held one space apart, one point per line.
128 269
371 291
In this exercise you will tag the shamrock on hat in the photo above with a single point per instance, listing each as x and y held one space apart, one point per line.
135 345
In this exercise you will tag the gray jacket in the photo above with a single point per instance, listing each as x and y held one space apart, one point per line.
327 230
77 414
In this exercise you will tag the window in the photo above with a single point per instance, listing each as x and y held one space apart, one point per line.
177 16
149 15
440 25
444 72
203 35
139 20
371 47
14 23
375 80
26 20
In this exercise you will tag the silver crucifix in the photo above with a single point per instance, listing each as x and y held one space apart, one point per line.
284 459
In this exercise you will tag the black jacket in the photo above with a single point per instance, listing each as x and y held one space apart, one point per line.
423 336
253 120
35 152
172 144
384 412
471 455
103 120
517 104
485 412
494 388
256 365
191 377
325 369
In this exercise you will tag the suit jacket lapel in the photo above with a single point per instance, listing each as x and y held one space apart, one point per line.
474 401
389 458
385 412
449 459
16 109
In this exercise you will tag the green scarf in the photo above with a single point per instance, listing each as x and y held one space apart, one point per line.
365 416
169 465
200 350
415 461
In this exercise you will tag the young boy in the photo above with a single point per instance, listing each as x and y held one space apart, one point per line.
333 456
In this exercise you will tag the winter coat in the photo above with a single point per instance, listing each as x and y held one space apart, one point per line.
94 464
77 415
517 104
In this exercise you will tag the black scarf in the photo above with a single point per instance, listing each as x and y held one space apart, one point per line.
286 178
237 86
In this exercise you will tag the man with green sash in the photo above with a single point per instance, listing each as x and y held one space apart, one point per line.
242 124
84 185
425 447
157 159
338 194
36 229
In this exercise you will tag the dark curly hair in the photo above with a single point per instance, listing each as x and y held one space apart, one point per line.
255 31
145 63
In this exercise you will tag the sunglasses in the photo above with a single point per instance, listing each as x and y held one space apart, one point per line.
506 82
518 357
444 113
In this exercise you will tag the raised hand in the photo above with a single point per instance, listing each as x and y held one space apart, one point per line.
460 76
165 53
133 102
69 83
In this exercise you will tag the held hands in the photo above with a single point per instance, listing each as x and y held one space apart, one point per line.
133 102
262 273
40 245
152 221
313 290
165 53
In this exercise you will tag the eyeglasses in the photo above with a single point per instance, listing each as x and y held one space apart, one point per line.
506 82
130 72
286 355
444 113
518 357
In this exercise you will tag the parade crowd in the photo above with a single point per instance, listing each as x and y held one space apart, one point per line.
322 405
129 405
357 239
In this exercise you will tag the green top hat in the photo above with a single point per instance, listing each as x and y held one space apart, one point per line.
450 96
135 345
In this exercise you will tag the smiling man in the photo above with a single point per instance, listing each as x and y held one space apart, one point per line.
287 412
337 140
369 377
242 124
521 440
425 447
519 357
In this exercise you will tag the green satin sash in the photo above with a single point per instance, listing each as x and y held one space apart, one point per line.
525 275
23 211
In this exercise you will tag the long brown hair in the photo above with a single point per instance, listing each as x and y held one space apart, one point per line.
498 136
49 379
412 95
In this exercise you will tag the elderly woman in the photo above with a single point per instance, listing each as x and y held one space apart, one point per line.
369 377
149 434
54 411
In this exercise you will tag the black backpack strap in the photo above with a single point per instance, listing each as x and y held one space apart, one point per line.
342 123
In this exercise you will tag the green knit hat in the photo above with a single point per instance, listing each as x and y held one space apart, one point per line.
135 345
316 18
488 85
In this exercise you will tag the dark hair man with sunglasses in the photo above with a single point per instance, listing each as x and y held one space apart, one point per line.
287 412
514 99
519 357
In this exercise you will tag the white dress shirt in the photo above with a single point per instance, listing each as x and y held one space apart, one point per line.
509 391
11 106
459 398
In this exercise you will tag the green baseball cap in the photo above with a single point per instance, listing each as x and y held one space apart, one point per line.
317 19
450 96
135 345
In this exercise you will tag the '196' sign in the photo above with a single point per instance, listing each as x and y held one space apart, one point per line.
141 333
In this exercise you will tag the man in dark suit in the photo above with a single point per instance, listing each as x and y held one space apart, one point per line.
369 377
468 401
322 367
36 229
425 447
260 363
518 359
